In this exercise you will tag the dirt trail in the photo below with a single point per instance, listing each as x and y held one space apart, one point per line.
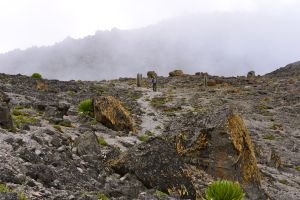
152 120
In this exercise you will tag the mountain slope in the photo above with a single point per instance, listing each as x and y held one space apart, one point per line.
223 44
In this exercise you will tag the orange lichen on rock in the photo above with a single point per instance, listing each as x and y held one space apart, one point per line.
40 85
242 142
111 113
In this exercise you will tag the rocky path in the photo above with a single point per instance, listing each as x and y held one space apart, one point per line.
152 120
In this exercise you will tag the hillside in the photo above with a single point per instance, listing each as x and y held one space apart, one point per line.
138 144
221 44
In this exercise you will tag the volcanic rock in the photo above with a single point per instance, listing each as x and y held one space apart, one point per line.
111 113
157 164
176 73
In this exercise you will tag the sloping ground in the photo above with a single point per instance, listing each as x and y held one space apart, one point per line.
57 153
292 69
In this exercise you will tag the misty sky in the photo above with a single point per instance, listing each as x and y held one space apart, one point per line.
26 23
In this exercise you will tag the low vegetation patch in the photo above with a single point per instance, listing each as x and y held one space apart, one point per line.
36 75
160 194
102 141
224 190
4 189
58 127
86 107
143 137
102 196
269 137
297 167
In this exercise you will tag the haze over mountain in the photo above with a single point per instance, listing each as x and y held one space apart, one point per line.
219 43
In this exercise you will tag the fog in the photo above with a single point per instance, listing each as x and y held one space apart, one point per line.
220 43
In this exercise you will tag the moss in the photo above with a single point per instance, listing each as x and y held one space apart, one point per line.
143 137
58 127
102 141
160 194
269 137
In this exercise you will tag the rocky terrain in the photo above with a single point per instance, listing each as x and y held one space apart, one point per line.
140 144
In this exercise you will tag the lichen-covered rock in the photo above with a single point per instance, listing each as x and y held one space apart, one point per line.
157 165
151 74
176 73
110 112
220 144
5 116
87 144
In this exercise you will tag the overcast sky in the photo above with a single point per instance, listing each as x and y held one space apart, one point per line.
26 23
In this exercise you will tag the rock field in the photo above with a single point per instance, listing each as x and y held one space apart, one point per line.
140 144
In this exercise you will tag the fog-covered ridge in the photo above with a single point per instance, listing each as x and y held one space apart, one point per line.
221 44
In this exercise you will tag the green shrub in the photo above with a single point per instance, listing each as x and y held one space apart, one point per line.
86 107
224 190
102 196
143 137
36 75
102 141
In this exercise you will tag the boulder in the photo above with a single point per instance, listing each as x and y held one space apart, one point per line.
87 144
251 74
201 74
151 74
157 165
176 73
220 144
110 112
211 83
5 115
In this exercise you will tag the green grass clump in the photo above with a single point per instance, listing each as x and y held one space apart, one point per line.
160 194
36 75
269 137
102 141
86 107
4 189
158 102
22 119
102 196
297 167
143 137
58 127
224 190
